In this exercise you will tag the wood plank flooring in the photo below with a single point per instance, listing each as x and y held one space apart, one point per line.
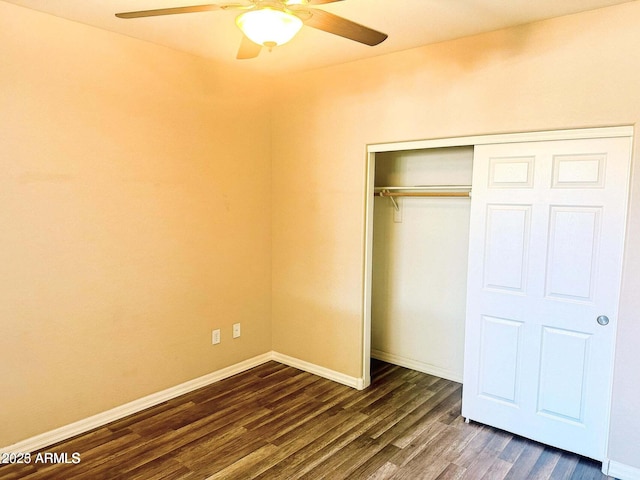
277 422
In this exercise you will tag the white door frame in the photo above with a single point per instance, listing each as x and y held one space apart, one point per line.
372 149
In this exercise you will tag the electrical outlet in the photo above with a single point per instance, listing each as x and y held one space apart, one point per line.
215 336
236 330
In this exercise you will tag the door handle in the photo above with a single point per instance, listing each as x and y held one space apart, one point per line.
602 320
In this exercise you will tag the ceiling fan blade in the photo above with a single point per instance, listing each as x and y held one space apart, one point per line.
248 49
331 23
170 11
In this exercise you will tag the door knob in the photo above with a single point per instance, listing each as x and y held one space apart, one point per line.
602 320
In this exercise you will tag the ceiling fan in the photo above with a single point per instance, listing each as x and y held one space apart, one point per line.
270 23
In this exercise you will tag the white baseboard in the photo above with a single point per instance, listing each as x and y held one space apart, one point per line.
622 471
76 428
416 365
338 377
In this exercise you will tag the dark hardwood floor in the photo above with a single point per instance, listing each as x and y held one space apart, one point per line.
277 422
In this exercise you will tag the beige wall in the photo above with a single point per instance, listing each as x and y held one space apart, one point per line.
135 217
570 72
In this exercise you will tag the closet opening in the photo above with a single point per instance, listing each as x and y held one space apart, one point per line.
419 228
542 244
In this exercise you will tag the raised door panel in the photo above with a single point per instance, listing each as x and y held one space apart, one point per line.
506 247
563 374
501 345
573 252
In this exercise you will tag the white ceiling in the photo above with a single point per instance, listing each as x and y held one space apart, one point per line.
409 23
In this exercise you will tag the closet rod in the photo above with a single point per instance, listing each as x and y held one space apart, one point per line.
425 187
422 194
424 191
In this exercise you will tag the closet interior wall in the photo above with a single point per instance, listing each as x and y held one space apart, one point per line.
420 250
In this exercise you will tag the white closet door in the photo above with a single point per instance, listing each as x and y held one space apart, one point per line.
545 260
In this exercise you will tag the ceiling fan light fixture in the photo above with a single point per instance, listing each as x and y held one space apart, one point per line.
269 27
